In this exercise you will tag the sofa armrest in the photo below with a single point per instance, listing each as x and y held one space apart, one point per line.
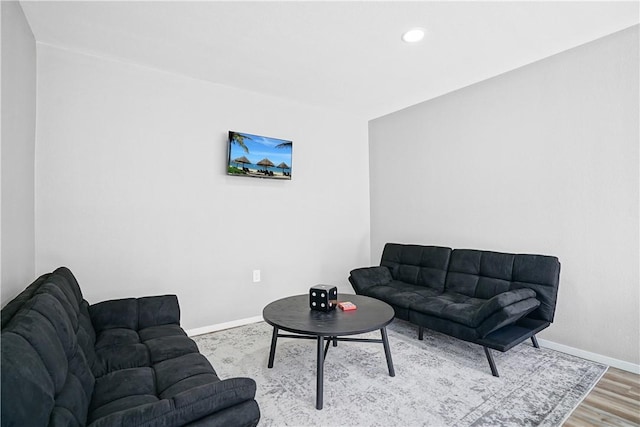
191 405
501 301
504 309
135 313
363 278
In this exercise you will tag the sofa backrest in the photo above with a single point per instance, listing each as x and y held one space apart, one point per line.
479 274
417 265
12 307
46 377
484 274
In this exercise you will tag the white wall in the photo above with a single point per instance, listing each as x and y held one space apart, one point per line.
132 192
543 159
17 239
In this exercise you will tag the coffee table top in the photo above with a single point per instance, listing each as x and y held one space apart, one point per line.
294 315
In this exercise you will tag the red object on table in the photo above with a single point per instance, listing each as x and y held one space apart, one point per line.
347 306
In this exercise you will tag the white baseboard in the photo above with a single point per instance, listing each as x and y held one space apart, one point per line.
222 326
594 357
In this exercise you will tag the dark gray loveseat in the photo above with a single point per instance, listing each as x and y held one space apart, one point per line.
494 299
116 363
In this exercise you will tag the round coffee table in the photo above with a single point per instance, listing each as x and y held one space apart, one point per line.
292 314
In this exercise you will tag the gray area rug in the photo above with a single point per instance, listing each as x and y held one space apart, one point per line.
440 381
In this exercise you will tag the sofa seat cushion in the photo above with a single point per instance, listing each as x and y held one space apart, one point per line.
123 404
190 407
164 348
153 388
173 392
451 306
114 358
140 374
123 389
119 348
117 337
173 376
472 312
401 294
152 332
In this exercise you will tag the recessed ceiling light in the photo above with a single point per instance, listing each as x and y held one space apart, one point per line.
414 35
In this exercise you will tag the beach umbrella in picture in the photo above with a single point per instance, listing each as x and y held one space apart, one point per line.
283 166
266 163
242 160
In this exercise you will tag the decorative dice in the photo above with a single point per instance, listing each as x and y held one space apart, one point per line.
323 297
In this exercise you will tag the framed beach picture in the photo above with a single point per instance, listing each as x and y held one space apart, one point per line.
259 156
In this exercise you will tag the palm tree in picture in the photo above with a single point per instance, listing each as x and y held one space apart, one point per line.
238 138
285 144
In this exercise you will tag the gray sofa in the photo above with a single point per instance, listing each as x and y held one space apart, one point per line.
121 363
493 299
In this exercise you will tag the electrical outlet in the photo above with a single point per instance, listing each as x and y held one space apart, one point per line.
256 276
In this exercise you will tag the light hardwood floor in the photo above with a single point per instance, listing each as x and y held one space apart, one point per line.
614 401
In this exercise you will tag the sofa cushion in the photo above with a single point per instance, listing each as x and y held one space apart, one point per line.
64 278
501 301
163 348
401 294
124 383
116 337
113 314
471 311
71 404
139 403
160 331
135 313
51 308
153 311
451 306
417 265
479 274
27 387
190 406
171 374
509 315
110 359
362 278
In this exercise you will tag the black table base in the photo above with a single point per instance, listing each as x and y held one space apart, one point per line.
323 348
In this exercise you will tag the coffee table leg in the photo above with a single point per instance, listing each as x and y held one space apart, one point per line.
272 353
387 352
320 373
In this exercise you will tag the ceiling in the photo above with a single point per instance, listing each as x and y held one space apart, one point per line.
339 55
